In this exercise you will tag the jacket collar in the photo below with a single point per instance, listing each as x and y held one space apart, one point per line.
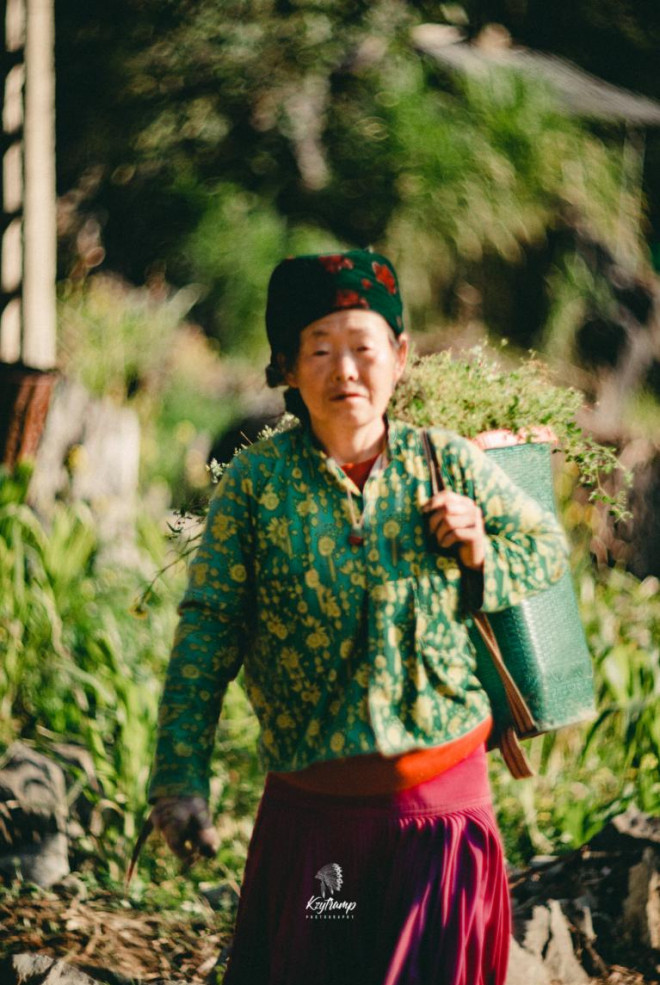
396 432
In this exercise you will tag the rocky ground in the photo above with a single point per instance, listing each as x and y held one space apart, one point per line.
103 934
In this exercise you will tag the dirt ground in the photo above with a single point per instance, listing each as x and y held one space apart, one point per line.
107 932
111 940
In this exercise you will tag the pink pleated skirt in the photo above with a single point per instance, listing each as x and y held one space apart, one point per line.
407 888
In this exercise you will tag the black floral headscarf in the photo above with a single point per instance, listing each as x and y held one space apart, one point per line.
303 289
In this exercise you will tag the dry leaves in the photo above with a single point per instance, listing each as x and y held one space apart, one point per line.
107 932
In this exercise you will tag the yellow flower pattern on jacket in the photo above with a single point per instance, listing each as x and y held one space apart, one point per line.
347 648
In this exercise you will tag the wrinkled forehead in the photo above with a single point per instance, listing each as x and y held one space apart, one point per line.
351 322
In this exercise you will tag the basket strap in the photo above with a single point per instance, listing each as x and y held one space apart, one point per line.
512 751
522 716
437 483
514 756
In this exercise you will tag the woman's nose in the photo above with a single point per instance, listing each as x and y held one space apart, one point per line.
345 367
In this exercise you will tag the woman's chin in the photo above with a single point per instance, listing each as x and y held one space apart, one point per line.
353 413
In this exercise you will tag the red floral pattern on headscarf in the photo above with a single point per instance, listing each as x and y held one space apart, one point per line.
385 276
305 288
349 299
334 262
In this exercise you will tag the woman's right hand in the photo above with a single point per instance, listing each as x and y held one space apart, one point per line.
186 825
456 519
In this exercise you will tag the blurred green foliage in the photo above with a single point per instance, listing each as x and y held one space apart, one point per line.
133 345
254 129
490 167
82 663
117 339
76 662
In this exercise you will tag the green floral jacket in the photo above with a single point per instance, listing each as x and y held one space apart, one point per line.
347 648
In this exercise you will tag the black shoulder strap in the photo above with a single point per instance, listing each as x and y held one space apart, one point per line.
437 484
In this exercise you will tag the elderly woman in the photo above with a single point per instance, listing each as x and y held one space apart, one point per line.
342 584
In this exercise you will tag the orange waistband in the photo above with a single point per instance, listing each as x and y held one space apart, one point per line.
374 773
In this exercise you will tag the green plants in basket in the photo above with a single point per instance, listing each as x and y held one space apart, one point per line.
475 392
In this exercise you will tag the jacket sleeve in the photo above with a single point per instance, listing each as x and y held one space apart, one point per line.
208 644
525 548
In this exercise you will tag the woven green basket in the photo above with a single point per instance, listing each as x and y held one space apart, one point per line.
542 639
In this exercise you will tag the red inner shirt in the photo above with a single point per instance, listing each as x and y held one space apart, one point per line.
359 471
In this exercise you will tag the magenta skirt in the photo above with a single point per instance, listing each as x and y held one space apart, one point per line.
407 888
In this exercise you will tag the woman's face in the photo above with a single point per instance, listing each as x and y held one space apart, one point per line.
347 368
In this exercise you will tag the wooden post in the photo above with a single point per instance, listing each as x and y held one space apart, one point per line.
39 233
11 244
28 229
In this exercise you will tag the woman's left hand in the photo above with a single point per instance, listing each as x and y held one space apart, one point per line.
456 519
186 825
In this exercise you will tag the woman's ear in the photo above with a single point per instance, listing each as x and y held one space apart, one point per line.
401 356
288 374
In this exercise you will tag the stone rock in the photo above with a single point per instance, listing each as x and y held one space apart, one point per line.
559 956
71 887
628 832
545 940
40 969
81 778
43 864
90 452
525 968
581 915
223 897
33 817
641 909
